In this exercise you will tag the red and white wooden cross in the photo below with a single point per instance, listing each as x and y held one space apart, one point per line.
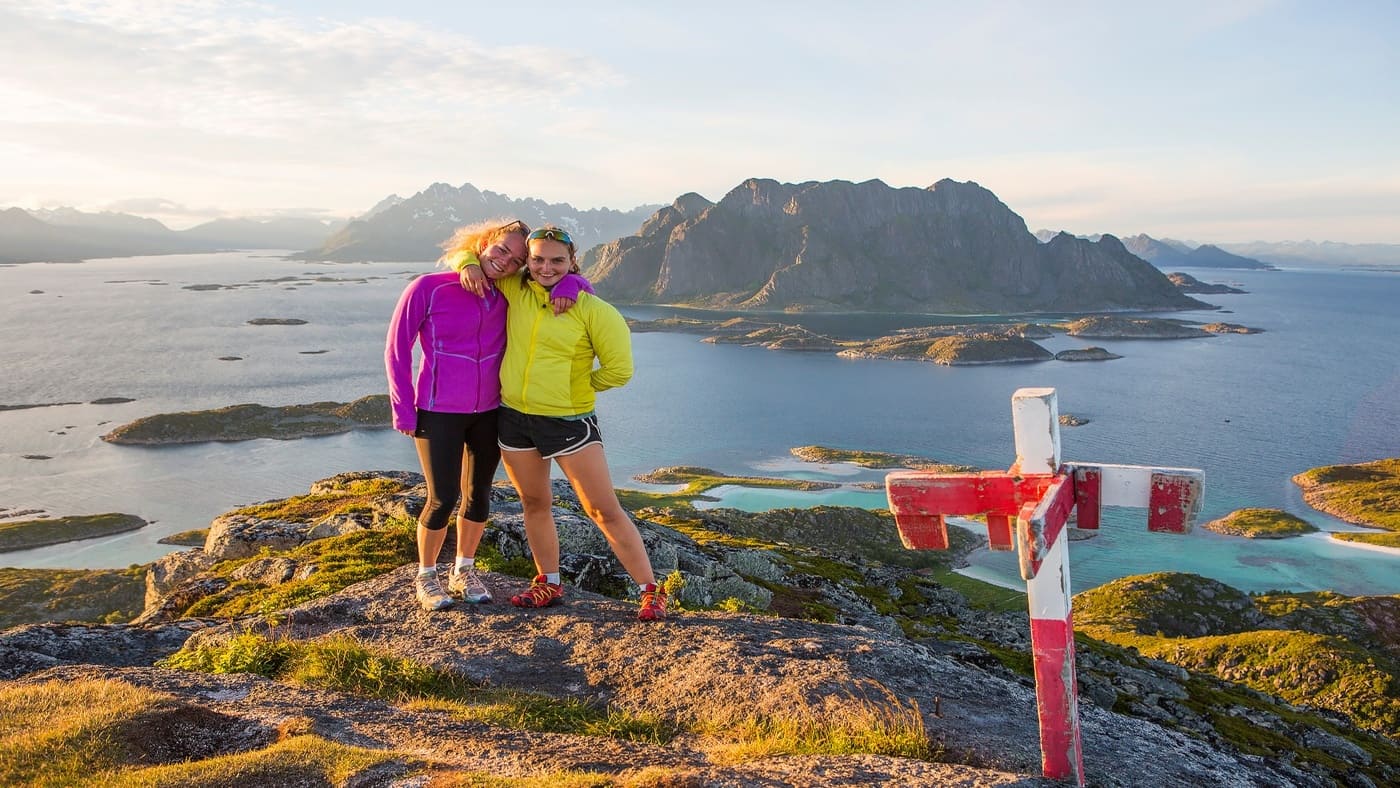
1040 493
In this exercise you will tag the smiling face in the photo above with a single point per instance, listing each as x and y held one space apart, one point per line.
549 261
504 256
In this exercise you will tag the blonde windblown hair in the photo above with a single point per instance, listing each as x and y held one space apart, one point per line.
474 238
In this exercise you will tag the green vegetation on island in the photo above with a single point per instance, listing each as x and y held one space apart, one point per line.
1366 494
250 421
191 538
699 480
24 534
874 459
1260 524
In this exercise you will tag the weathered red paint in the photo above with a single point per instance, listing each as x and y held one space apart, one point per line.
1042 522
1042 503
1057 693
920 500
999 532
1171 502
1088 497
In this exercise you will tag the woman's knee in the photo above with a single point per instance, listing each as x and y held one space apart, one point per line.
437 513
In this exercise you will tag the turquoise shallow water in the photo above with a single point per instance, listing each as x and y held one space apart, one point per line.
1320 386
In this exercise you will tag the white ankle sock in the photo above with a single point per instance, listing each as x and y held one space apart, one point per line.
424 571
551 577
464 564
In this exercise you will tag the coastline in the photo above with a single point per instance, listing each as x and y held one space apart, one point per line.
1375 548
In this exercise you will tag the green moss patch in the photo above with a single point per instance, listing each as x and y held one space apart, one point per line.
356 496
32 596
342 664
340 561
24 534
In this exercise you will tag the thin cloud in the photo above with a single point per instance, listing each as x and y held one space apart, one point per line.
236 68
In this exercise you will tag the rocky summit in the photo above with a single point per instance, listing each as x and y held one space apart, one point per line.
952 248
806 647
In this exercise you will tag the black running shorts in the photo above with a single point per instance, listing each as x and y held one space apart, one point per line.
549 435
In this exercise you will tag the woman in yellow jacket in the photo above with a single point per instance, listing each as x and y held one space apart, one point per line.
548 383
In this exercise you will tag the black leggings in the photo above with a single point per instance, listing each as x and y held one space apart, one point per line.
458 451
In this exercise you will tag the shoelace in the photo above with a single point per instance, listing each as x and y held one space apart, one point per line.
655 600
542 592
431 586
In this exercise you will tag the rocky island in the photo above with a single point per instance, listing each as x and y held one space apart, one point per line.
808 647
1260 524
251 421
1009 342
698 480
1190 284
26 534
1114 327
1093 353
874 459
1366 493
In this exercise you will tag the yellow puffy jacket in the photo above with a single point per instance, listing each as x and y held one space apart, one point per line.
548 368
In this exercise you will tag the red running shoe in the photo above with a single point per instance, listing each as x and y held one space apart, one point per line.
541 593
653 603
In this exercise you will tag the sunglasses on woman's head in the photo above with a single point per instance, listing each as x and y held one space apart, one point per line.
550 234
513 226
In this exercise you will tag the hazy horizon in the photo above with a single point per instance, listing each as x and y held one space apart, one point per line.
1212 122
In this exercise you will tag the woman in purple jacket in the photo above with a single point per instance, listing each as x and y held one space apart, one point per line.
450 411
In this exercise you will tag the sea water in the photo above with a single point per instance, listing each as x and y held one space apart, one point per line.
1320 386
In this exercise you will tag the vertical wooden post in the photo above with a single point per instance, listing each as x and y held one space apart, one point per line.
1035 419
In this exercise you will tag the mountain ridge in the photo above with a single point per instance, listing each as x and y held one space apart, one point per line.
413 229
841 246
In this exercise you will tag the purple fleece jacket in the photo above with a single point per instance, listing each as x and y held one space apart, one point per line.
462 337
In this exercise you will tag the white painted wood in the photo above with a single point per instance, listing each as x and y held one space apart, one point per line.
1131 485
1035 419
1048 592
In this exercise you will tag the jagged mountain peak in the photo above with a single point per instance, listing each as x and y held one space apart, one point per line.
843 246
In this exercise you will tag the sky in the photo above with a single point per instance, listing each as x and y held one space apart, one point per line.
1216 122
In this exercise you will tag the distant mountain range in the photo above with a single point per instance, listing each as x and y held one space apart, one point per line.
1169 254
840 246
1324 253
413 229
66 235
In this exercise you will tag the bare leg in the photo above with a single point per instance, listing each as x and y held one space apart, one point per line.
430 544
468 536
587 470
529 472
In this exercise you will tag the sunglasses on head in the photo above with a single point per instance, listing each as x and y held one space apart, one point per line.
513 226
550 234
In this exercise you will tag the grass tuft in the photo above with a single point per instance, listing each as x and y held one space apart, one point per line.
80 733
344 665
855 726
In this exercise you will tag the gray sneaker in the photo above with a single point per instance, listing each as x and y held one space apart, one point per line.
429 592
468 584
